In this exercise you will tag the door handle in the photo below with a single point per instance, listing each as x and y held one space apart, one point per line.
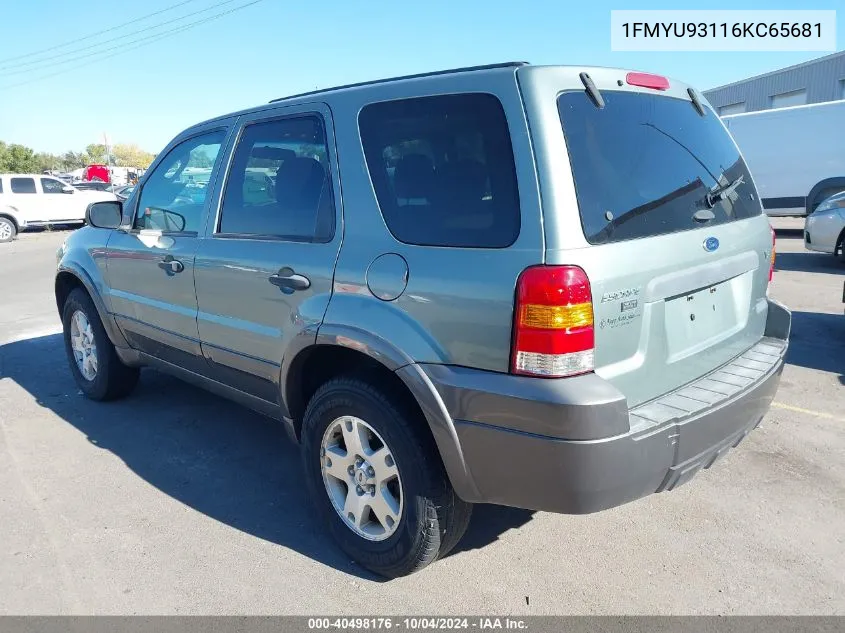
287 279
171 265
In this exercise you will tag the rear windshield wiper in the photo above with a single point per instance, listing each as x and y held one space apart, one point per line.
592 91
723 191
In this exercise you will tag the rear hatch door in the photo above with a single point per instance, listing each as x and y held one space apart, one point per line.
677 248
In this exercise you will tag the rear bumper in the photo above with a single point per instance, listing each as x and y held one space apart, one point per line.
572 446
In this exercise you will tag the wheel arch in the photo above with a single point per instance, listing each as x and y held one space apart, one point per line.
365 355
69 277
837 181
9 213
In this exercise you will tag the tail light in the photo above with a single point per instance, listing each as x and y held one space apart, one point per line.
553 322
772 258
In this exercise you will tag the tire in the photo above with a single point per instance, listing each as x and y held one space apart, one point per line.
8 230
839 248
432 518
111 379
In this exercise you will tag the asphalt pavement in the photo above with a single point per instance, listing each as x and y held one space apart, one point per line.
175 501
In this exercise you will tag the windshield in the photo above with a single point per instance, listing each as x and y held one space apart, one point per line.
645 164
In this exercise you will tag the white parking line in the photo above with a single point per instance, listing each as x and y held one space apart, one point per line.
818 414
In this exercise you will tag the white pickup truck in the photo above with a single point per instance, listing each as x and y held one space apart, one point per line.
29 200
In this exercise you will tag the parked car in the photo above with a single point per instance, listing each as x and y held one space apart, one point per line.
65 177
793 154
97 172
555 300
824 229
93 185
31 200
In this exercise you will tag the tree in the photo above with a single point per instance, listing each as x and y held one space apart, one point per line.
95 154
15 158
73 160
47 161
18 159
130 155
199 159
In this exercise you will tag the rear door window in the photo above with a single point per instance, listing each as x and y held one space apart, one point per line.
443 170
23 185
279 182
644 165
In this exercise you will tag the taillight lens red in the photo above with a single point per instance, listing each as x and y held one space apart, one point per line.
647 80
553 322
772 258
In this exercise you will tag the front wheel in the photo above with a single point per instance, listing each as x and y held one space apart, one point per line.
8 230
95 366
377 481
839 249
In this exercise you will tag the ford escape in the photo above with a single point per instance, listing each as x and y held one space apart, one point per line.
542 287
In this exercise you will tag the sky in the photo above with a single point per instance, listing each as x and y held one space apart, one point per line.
145 90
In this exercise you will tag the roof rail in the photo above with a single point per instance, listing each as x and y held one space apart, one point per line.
417 76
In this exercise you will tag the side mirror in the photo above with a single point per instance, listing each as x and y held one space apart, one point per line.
104 215
68 189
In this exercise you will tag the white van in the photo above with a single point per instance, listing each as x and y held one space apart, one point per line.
28 200
795 155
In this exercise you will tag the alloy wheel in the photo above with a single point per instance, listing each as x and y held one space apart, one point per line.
83 345
361 478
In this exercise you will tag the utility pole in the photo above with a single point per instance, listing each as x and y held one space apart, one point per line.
108 160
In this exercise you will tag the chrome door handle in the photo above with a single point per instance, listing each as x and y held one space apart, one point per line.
171 265
286 278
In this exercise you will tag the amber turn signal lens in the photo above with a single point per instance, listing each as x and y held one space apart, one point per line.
556 317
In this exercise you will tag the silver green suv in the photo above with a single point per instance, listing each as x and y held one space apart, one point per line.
542 287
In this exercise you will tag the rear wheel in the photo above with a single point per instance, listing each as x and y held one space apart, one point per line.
376 480
94 363
8 230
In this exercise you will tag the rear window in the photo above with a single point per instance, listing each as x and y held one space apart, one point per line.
443 170
644 164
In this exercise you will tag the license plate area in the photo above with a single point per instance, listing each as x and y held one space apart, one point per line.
696 320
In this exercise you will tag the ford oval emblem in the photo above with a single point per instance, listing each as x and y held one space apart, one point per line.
710 244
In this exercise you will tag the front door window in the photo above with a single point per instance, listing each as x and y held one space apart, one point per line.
173 196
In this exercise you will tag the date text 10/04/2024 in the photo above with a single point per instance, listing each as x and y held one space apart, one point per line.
724 29
417 623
